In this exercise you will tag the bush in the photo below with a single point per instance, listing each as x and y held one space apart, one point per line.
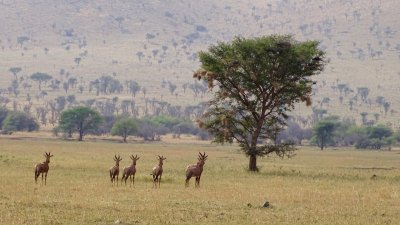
19 121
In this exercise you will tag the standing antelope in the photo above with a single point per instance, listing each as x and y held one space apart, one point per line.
43 168
114 171
130 171
157 171
195 170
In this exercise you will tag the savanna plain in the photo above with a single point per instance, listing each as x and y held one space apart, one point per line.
337 186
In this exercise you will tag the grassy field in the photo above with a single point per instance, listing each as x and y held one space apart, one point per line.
330 187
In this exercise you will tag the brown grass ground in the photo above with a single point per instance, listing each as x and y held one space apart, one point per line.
315 187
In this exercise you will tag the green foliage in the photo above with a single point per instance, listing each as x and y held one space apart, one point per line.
151 129
3 114
15 70
376 137
124 127
40 77
258 82
324 130
79 119
331 131
379 132
166 121
19 121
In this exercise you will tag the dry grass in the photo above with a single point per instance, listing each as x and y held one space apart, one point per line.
330 187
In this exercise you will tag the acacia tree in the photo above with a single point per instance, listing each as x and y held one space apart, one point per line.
15 71
258 82
80 119
324 132
124 127
41 77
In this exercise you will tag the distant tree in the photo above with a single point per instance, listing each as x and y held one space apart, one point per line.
185 86
80 119
3 114
108 85
133 87
78 60
380 132
22 39
72 81
258 82
376 115
71 99
40 78
81 88
386 107
151 130
376 137
364 117
144 91
14 88
363 92
140 55
380 100
15 71
323 132
19 121
119 19
171 87
124 127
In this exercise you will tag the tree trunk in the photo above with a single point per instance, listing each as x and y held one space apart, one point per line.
80 135
253 163
124 138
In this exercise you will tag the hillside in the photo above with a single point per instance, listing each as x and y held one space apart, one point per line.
154 43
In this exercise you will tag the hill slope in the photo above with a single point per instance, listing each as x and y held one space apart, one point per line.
154 40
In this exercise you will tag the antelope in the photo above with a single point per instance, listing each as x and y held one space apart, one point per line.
43 168
130 171
195 170
114 171
157 171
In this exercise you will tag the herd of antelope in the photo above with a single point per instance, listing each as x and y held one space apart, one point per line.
193 170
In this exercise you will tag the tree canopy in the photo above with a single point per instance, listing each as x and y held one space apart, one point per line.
258 81
80 119
41 77
124 127
19 121
324 130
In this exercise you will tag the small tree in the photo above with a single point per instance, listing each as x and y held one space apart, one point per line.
19 121
15 71
324 132
259 81
80 119
3 114
124 127
40 77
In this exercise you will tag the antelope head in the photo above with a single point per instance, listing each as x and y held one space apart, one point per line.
134 159
117 160
47 156
161 159
202 158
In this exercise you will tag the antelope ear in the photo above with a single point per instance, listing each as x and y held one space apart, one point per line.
138 158
51 156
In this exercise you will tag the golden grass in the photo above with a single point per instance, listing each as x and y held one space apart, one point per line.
330 187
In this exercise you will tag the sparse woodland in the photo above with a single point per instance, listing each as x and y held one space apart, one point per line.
136 60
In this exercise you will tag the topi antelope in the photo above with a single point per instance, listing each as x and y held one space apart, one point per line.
114 171
130 171
157 171
43 168
195 170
